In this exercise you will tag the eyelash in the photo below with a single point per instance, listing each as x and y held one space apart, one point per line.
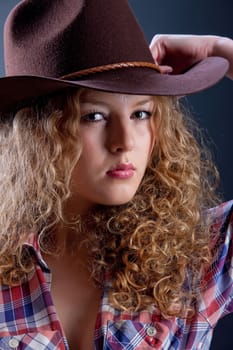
86 117
148 114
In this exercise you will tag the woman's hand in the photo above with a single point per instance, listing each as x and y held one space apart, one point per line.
175 53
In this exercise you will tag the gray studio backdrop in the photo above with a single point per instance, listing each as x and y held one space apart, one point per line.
213 108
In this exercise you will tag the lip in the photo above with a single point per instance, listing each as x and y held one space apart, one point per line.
121 171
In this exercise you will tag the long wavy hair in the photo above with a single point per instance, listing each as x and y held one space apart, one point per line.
156 248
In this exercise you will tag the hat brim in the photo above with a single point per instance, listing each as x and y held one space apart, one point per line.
17 91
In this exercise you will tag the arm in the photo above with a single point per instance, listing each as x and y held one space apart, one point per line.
167 51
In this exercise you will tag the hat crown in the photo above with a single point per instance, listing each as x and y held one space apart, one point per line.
59 37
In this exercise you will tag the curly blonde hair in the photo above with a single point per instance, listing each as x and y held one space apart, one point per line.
155 248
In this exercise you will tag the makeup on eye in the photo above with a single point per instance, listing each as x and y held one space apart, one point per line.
92 117
141 114
96 116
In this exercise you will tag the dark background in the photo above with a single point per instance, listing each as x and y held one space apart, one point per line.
213 108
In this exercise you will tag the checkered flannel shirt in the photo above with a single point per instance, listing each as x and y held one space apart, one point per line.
28 318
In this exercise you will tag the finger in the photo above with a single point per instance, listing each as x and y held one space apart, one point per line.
165 69
155 47
158 49
155 53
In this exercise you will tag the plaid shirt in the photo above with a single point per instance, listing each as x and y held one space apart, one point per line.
28 318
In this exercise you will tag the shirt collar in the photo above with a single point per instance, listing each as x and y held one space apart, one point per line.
33 245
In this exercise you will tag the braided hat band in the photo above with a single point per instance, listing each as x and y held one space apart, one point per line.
108 67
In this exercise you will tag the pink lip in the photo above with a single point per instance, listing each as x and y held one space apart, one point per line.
122 171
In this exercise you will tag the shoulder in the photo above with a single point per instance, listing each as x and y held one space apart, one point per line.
221 224
222 210
221 217
217 294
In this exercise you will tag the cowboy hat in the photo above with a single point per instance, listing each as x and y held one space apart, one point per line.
59 44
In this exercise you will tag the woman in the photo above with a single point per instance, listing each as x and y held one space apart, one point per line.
106 237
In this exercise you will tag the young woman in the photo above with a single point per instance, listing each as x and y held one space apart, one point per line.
107 239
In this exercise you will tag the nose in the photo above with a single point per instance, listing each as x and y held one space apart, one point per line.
120 136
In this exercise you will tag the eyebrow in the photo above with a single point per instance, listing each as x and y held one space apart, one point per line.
145 101
89 99
93 102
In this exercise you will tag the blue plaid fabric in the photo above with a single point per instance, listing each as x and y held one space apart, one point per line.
28 319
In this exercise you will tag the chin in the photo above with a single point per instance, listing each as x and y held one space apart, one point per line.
119 201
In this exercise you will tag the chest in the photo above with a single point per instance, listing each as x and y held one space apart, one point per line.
76 299
77 312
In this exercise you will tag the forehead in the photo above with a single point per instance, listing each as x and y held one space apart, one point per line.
94 96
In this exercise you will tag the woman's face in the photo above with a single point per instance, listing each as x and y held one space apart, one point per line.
117 139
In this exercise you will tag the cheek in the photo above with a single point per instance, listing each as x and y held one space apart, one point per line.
152 144
91 144
149 139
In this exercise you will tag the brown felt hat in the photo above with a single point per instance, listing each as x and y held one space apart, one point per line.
50 45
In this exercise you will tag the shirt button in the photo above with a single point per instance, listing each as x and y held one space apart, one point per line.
13 343
151 331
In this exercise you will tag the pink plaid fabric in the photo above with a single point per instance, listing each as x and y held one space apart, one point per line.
28 319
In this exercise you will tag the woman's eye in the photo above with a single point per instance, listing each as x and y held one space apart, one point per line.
92 117
142 114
